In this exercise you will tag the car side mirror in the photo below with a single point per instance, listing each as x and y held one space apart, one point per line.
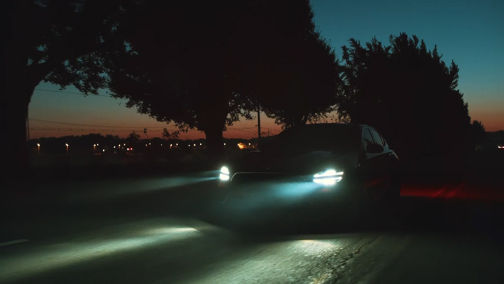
374 148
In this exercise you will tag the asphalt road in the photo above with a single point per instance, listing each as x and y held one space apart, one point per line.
178 230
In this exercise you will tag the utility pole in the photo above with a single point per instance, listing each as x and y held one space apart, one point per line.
258 123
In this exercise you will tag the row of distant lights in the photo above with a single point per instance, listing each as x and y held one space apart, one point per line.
146 145
67 146
95 145
175 145
115 147
194 145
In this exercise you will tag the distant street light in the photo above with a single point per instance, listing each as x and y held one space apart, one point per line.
38 147
67 147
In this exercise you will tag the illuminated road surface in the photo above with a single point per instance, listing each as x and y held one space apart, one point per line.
152 230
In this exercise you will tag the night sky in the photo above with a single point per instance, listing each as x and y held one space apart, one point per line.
469 32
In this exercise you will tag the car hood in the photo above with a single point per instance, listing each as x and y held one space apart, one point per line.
304 163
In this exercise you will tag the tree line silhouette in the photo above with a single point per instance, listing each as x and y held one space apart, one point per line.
409 93
205 64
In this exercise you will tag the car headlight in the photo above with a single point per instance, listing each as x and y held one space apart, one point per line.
328 177
224 174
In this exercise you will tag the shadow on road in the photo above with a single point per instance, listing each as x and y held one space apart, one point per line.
410 214
76 206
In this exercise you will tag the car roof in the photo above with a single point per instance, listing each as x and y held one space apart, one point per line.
315 136
326 131
322 128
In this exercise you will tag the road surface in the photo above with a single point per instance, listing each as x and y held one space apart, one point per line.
177 230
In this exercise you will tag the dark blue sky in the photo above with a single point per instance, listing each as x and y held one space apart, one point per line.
469 32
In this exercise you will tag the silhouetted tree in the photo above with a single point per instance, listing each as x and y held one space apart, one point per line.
478 133
172 135
133 137
296 79
52 41
305 91
407 92
203 64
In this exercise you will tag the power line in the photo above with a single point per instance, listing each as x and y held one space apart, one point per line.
250 127
71 92
93 125
244 129
81 129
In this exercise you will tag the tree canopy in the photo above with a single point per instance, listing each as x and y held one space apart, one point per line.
57 41
305 88
204 64
406 91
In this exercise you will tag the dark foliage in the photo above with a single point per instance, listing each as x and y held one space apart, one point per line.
203 64
408 93
478 133
55 41
304 89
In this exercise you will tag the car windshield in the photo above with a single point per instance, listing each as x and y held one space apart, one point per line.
336 138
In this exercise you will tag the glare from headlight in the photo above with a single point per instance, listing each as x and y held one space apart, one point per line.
328 177
224 173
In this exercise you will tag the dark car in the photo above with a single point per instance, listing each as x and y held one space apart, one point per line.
336 160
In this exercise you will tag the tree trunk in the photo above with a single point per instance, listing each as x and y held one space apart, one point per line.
213 121
214 140
13 116
16 88
213 113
